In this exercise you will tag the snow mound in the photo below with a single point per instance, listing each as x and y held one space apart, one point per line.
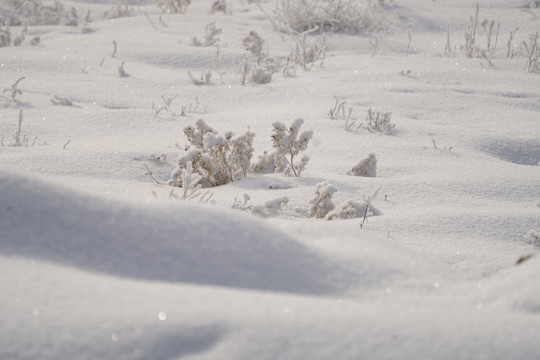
517 151
177 242
519 287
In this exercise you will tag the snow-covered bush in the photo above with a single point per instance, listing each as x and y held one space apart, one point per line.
532 52
533 236
355 209
204 79
258 67
366 167
219 6
306 55
349 210
173 6
18 137
265 163
118 11
471 47
298 16
217 159
211 37
377 121
14 89
6 37
270 207
255 45
288 142
321 203
61 100
34 12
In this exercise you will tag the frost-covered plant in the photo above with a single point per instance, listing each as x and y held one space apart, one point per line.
211 37
288 142
219 6
377 121
470 48
321 203
193 108
340 112
121 71
306 55
206 75
449 51
34 12
533 236
59 100
173 6
217 159
270 207
259 67
265 163
18 137
532 52
255 45
349 210
242 205
355 209
190 182
167 100
5 37
14 90
298 16
492 36
118 11
367 167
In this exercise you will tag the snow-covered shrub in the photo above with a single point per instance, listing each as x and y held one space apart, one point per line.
190 182
173 6
14 89
532 52
377 121
306 55
533 237
217 159
255 45
219 6
204 79
6 38
211 37
288 142
118 11
121 71
265 163
355 209
60 100
349 210
18 137
270 207
258 67
298 16
321 203
34 12
366 167
471 48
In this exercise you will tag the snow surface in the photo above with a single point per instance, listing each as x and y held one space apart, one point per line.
97 261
